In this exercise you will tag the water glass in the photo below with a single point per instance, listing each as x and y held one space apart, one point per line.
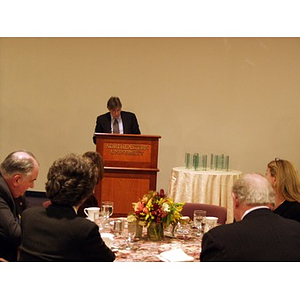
131 231
101 221
182 231
199 221
118 227
107 208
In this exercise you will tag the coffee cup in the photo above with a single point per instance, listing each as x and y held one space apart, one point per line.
92 213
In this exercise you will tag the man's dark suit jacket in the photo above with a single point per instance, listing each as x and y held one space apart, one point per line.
260 236
129 120
10 230
56 233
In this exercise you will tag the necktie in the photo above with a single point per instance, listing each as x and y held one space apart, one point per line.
116 126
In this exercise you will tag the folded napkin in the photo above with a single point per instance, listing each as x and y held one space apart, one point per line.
175 255
108 238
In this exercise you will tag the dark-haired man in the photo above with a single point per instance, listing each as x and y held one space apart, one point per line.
116 121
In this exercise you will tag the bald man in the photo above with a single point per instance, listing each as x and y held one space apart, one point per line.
259 234
18 172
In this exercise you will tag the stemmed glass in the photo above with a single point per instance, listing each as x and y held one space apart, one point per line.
199 221
182 231
101 221
107 208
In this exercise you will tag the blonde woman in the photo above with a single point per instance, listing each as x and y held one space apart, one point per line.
285 180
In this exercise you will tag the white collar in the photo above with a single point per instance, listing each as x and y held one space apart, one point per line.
253 208
112 119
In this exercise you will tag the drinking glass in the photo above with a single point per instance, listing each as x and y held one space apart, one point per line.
118 227
199 221
107 208
182 231
101 221
210 222
131 230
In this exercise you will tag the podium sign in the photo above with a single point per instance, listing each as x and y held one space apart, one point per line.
130 168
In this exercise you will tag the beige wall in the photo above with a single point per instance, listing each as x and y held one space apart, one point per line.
237 96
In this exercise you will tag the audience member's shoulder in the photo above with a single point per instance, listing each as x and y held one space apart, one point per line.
33 210
289 221
85 222
296 204
85 226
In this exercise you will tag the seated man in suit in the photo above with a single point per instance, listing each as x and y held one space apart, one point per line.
258 234
116 120
18 172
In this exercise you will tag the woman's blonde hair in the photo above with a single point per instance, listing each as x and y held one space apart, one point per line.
287 179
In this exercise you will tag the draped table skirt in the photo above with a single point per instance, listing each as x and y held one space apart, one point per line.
211 187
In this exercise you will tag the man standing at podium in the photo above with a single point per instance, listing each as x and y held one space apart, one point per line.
116 121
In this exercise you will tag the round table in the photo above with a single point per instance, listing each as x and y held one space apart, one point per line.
211 187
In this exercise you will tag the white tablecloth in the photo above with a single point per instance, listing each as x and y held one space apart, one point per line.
211 186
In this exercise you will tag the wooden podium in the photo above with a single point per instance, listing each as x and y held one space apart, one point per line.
130 168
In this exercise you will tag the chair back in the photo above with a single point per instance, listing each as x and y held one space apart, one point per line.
211 211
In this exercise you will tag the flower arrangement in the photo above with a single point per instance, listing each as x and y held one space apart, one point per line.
155 207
